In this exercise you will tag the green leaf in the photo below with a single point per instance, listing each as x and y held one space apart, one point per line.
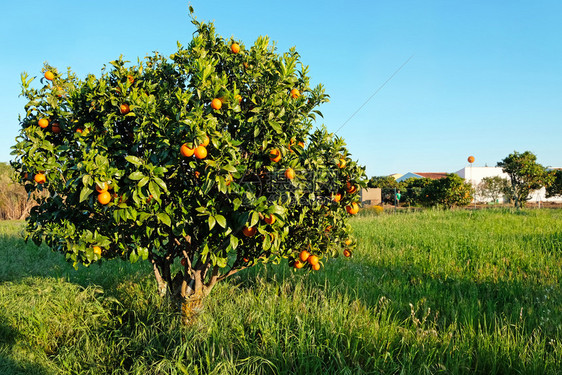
212 222
164 218
133 257
255 219
143 181
87 180
154 190
133 160
137 175
143 252
161 183
236 203
221 220
233 241
85 193
221 262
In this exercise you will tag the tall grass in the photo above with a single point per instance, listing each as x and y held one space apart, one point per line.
452 292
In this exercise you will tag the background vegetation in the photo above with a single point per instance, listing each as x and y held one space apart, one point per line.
453 292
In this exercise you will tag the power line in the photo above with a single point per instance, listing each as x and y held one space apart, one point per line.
376 92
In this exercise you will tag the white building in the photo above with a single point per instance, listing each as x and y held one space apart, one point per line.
474 176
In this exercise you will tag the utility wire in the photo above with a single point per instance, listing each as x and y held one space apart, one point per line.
375 93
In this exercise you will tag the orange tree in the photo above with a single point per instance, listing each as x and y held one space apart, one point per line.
204 164
448 192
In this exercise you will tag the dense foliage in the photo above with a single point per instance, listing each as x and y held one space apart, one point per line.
208 159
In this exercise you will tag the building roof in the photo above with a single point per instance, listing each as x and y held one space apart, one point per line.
432 175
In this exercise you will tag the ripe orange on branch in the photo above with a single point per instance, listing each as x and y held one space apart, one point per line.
249 231
216 104
124 109
290 173
43 123
104 198
102 187
352 209
40 178
235 47
205 141
304 255
275 155
49 75
351 189
97 250
55 128
295 93
186 151
313 260
200 152
270 219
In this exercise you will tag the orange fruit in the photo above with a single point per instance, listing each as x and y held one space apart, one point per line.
131 78
303 256
299 264
235 47
348 241
249 231
290 173
246 260
216 104
275 155
97 250
301 143
124 109
351 189
316 266
347 253
336 197
341 163
40 178
295 93
312 260
239 98
49 75
197 174
270 219
55 128
43 123
186 151
78 130
206 141
104 198
200 152
101 187
353 209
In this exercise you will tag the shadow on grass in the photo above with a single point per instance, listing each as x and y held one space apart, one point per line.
9 366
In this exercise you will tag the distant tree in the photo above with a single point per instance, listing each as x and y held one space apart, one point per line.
448 192
383 182
387 184
412 190
525 175
492 187
555 188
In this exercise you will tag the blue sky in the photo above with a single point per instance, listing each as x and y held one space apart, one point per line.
485 78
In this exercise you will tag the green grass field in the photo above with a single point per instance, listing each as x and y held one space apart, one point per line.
431 292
